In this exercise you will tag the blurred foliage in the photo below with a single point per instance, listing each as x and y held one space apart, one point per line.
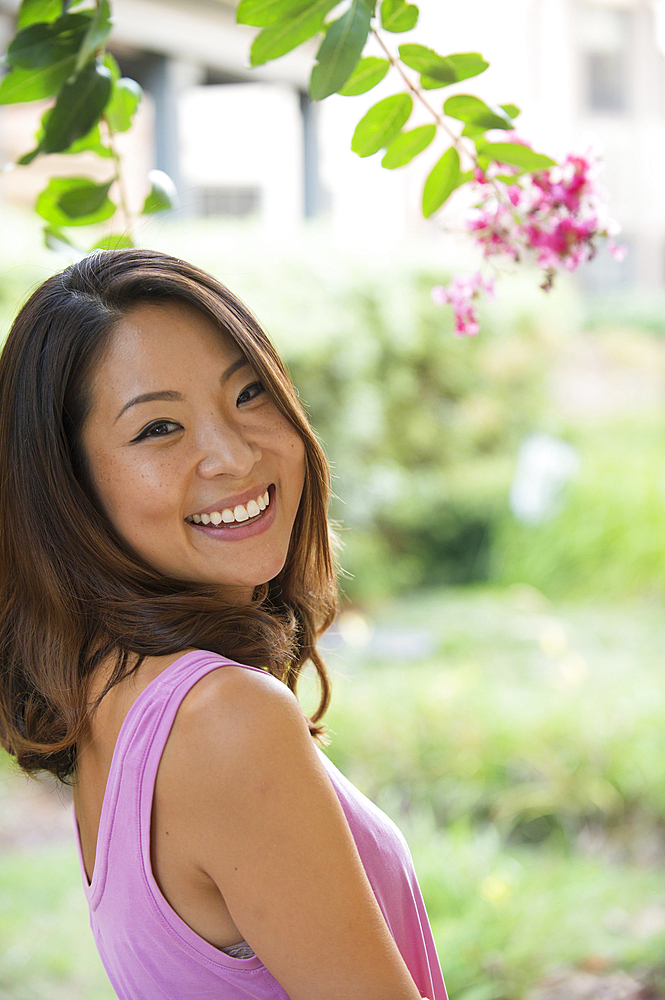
632 309
527 718
523 761
48 951
421 430
607 395
609 536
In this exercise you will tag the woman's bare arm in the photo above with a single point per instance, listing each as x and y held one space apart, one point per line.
266 825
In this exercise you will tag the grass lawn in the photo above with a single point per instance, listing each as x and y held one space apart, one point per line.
47 948
523 757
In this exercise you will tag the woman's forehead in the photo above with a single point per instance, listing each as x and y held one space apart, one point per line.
167 334
155 343
174 321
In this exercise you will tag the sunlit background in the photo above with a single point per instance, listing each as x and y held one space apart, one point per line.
498 663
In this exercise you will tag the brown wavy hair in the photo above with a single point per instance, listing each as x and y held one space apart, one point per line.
72 591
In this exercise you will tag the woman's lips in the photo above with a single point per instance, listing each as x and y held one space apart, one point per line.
240 498
237 531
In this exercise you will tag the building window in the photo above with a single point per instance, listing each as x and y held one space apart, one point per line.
233 201
604 36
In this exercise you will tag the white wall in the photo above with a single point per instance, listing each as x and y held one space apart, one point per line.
534 50
246 135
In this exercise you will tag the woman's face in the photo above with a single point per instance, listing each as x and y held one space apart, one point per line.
191 460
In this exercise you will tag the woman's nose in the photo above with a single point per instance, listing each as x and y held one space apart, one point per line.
227 451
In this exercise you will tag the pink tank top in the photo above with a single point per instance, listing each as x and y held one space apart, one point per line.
148 951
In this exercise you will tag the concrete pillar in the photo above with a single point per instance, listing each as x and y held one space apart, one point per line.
648 65
313 195
6 32
166 78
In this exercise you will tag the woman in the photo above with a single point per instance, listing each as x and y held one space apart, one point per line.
166 571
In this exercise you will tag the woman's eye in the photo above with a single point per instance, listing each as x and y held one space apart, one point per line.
250 393
160 428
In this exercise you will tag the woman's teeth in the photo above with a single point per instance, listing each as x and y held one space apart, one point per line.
239 513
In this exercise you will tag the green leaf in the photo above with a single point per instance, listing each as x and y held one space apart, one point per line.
56 240
162 193
263 13
96 35
32 47
38 11
381 124
429 83
125 99
475 113
111 65
516 154
64 200
366 75
34 84
397 15
466 107
466 64
280 38
84 200
429 62
91 142
78 107
441 182
27 158
340 50
40 45
511 109
117 242
406 145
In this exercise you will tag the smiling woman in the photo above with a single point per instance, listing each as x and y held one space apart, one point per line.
154 622
205 447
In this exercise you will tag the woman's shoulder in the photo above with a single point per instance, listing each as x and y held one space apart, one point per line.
238 707
237 736
229 683
244 789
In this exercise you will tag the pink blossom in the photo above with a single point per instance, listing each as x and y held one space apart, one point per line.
617 250
555 216
439 295
461 294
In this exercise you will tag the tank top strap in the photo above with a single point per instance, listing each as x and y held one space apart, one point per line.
138 751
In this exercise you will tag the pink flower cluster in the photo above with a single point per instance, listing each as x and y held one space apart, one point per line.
555 215
462 293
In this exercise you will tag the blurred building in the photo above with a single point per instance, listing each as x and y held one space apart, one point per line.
242 142
235 141
583 71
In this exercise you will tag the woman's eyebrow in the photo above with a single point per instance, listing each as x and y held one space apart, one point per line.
232 369
171 396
